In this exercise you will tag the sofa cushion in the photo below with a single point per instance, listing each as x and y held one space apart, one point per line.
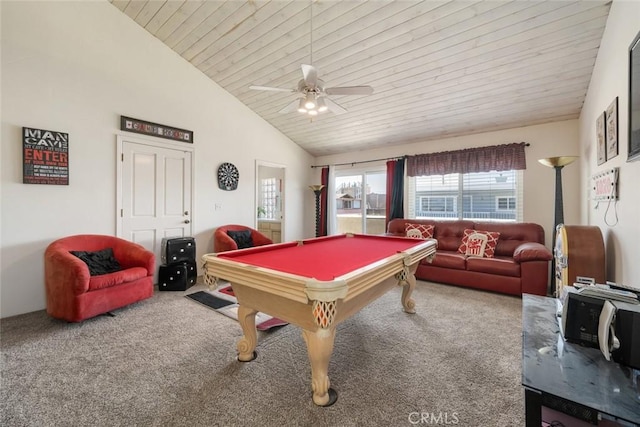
512 235
449 259
242 238
99 262
117 278
449 234
419 231
500 266
479 243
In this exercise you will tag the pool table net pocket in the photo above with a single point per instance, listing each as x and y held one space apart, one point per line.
324 312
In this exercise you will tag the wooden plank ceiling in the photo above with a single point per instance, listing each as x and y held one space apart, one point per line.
438 68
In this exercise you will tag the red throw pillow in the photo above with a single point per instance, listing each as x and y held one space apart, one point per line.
419 231
479 243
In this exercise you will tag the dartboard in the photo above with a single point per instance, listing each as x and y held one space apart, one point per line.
228 176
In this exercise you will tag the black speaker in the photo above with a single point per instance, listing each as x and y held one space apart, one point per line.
627 329
177 249
178 276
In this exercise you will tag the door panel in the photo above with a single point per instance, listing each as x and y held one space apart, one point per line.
155 193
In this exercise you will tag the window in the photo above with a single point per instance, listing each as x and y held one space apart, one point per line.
360 201
437 204
488 196
268 198
505 203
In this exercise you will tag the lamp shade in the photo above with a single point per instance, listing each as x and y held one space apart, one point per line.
553 162
310 101
301 107
322 106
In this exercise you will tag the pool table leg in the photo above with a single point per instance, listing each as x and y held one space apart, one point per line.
247 345
319 348
408 283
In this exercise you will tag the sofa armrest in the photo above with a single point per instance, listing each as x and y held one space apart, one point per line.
395 234
134 255
65 273
223 242
532 251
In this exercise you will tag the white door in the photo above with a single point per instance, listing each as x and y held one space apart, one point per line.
155 192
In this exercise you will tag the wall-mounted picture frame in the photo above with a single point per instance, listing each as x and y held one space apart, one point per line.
601 138
45 157
155 129
633 152
612 129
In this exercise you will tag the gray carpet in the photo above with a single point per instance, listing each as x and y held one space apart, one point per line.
169 361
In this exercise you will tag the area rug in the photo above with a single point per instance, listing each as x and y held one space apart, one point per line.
224 302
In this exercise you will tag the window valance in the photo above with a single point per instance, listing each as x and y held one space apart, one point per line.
482 159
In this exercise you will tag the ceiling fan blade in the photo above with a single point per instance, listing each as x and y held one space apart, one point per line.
310 75
292 106
334 107
349 90
272 89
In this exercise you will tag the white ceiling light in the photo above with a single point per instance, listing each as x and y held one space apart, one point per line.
310 101
313 89
322 106
301 107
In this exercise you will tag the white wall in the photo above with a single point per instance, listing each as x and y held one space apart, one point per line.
75 67
610 79
547 140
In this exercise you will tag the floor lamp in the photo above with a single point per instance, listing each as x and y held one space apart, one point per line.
557 163
317 190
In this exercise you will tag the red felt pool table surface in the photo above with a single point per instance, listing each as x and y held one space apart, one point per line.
323 258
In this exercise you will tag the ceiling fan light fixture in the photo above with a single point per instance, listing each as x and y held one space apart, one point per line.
310 101
301 107
322 106
312 112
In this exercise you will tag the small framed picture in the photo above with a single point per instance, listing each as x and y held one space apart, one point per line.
601 138
612 129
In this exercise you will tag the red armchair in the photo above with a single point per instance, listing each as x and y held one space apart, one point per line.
74 295
222 242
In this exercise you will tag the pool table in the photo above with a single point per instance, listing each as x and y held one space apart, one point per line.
316 284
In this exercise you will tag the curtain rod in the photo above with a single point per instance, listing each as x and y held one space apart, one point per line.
371 161
361 161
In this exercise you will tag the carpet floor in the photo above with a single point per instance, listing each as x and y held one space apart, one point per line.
169 362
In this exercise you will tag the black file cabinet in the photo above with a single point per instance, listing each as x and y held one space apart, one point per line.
178 271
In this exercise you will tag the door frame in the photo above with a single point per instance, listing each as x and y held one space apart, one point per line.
362 171
121 138
283 194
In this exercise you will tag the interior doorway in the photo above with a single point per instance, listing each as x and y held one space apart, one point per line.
270 200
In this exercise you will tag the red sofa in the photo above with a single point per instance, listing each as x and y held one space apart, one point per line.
74 295
520 265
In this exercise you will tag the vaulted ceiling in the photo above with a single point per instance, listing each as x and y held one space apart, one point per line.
438 68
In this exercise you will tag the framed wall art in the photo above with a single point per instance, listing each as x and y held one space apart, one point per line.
612 129
601 138
634 100
45 157
155 129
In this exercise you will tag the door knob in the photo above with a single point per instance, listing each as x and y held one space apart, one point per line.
186 221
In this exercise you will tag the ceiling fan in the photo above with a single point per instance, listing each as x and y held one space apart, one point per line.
314 99
313 95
